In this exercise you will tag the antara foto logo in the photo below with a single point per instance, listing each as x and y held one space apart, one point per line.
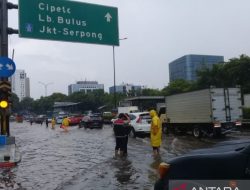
181 187
232 186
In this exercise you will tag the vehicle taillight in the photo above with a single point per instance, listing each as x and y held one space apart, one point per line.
139 120
238 123
163 169
217 124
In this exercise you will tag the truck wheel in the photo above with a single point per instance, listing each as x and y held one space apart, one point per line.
217 132
197 132
132 133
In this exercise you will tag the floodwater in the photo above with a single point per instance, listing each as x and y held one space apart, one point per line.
83 159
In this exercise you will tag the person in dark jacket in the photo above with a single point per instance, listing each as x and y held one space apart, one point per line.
47 122
121 134
127 129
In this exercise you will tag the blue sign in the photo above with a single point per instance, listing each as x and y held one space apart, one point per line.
7 67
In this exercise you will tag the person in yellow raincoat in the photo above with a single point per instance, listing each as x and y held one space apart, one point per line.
65 124
53 123
155 132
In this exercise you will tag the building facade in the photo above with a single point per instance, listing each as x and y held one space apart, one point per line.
85 86
186 67
20 84
126 89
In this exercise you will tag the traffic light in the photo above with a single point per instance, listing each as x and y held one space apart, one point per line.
4 104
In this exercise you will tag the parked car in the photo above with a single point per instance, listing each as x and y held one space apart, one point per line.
59 119
214 163
140 123
91 121
75 119
39 119
19 118
107 117
12 118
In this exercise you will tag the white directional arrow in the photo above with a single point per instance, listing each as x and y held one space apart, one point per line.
108 17
9 67
1 65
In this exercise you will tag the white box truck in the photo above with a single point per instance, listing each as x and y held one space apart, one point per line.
213 111
128 109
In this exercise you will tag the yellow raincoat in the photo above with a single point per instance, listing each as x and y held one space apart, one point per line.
155 130
65 122
53 123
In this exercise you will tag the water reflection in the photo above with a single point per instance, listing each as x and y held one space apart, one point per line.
153 171
124 170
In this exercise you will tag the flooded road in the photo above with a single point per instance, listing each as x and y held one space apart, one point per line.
84 159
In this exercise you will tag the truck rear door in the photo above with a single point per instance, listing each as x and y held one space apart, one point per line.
218 104
235 104
226 104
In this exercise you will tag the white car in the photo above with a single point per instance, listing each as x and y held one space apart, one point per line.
140 123
60 118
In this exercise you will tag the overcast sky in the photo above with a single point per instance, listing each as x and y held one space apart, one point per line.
157 32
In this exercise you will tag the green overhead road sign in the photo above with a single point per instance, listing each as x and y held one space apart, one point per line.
72 21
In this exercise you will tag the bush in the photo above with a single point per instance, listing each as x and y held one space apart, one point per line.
246 113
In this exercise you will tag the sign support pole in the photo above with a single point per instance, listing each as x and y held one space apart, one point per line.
4 53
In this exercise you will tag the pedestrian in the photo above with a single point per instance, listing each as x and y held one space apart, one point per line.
127 127
31 121
155 132
47 122
161 183
53 123
65 124
120 135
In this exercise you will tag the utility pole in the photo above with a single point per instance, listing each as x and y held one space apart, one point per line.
4 28
115 97
5 89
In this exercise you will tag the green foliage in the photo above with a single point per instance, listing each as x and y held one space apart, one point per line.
230 74
15 105
178 86
214 77
246 113
150 92
26 104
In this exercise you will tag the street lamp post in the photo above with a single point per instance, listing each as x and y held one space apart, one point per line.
45 86
114 77
115 99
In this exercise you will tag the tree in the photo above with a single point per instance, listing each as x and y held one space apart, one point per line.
238 70
26 104
150 92
178 86
214 77
230 74
15 105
